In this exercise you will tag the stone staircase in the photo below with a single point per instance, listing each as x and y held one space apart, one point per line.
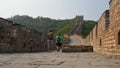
77 48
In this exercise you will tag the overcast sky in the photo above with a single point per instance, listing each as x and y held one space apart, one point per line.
55 9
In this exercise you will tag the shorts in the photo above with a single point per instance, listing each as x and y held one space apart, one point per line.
58 44
50 42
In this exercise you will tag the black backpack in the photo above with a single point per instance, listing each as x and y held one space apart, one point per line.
58 39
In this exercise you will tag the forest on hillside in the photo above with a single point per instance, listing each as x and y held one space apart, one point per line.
87 27
41 24
44 24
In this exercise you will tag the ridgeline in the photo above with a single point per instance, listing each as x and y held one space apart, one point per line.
43 24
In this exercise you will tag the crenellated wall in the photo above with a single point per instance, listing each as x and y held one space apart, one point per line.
105 36
17 38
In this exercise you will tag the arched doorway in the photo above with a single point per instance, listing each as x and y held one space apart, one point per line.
100 42
119 38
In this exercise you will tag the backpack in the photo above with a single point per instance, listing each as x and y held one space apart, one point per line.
58 39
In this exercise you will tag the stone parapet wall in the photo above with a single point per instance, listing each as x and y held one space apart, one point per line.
105 36
107 50
17 38
114 14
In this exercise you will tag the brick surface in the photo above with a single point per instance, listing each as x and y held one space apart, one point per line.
104 36
18 38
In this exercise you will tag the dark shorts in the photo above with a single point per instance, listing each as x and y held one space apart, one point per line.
58 44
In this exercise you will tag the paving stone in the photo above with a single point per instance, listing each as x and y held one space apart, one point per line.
47 63
105 63
114 66
55 66
78 66
17 66
1 64
57 60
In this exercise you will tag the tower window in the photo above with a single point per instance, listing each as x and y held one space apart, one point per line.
119 38
100 42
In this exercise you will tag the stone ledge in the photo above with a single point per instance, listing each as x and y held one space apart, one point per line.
77 49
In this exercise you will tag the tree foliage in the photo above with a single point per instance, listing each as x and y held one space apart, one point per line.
43 24
40 24
87 27
66 28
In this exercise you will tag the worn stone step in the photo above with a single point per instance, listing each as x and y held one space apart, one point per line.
80 48
3 44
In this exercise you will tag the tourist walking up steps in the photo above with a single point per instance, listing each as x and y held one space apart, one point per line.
58 42
50 40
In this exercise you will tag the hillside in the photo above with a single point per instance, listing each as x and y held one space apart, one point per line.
43 24
40 24
87 27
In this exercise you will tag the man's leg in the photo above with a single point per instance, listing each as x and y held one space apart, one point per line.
57 47
51 45
48 45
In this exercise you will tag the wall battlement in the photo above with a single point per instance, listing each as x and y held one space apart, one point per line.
18 38
105 36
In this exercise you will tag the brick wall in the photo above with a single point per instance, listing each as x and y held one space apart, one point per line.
17 38
105 36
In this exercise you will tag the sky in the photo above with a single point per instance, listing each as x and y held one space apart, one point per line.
55 9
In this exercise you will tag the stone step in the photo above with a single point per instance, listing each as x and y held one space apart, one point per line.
77 48
3 44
